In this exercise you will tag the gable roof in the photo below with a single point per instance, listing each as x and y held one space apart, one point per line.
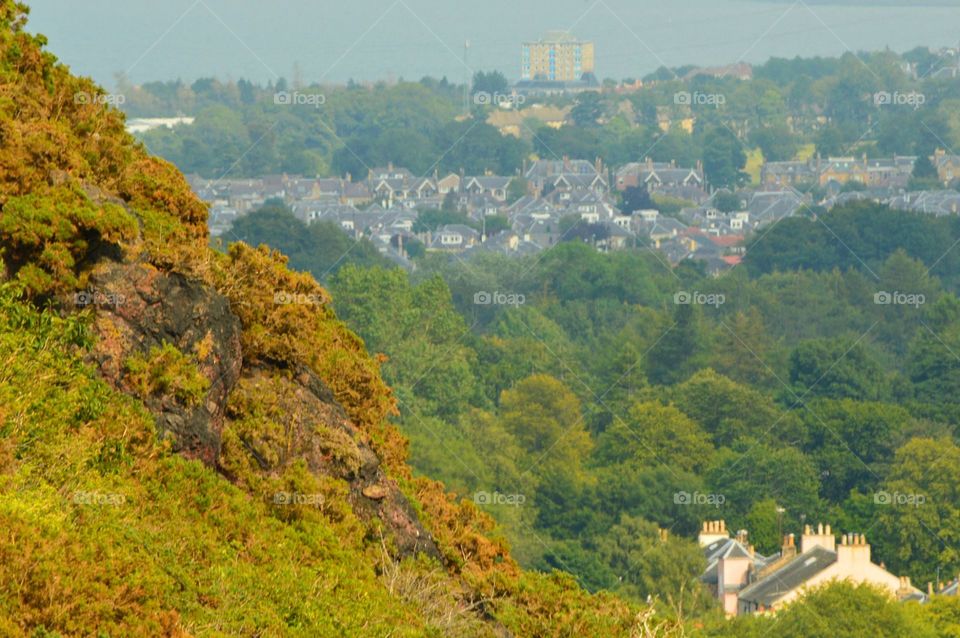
774 586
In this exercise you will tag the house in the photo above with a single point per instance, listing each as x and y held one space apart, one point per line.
453 238
739 71
394 185
939 203
892 172
516 122
841 170
450 183
665 178
770 206
793 173
542 229
658 228
566 175
492 185
947 165
746 582
355 193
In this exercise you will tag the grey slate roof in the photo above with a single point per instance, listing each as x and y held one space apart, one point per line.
773 587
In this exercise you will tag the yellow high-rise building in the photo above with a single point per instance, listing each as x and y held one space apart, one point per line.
557 57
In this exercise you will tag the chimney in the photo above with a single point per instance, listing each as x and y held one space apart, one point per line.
789 547
905 588
853 551
712 531
822 536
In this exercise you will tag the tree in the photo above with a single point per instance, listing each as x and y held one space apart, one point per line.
763 523
777 142
853 443
645 563
430 219
654 433
925 175
931 365
430 368
837 369
752 472
545 418
676 354
516 189
321 248
918 510
723 158
726 202
491 83
636 198
588 110
730 411
744 351
847 610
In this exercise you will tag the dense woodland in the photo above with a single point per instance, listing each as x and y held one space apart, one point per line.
598 399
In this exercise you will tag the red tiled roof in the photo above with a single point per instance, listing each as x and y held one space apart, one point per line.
727 240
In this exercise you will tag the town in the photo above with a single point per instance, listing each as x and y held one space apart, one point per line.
562 199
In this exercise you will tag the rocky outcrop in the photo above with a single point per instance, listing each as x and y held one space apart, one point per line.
282 417
139 308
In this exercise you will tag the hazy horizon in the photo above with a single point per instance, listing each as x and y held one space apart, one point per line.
389 39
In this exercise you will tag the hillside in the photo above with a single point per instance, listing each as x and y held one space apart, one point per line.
191 443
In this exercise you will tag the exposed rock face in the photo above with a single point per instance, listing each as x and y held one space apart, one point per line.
314 428
139 308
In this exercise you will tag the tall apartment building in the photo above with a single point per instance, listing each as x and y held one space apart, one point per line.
557 57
